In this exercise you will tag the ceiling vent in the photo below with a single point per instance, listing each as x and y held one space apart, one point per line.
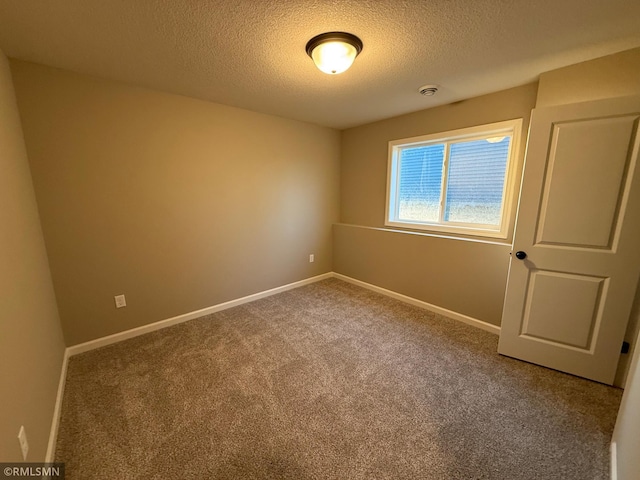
428 90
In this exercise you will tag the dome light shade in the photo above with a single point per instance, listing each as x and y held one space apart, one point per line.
334 52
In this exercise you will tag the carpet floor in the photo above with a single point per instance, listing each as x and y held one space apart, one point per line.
328 381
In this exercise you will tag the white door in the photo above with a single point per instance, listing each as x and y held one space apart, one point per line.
568 302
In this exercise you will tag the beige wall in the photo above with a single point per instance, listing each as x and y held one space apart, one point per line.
433 269
611 76
465 277
177 203
627 431
31 343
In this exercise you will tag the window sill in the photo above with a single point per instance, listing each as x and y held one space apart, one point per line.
490 241
439 229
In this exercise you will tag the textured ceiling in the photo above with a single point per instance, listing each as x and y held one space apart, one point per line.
250 53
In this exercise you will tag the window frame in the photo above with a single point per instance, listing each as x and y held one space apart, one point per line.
509 127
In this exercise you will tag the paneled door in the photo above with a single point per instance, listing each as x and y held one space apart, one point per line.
576 254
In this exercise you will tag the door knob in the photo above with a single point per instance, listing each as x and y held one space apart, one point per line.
520 255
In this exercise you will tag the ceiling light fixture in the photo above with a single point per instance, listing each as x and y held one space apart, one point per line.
334 52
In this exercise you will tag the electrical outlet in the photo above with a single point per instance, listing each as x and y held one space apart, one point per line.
120 301
312 258
24 445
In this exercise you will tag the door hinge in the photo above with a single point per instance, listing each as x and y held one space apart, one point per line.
625 347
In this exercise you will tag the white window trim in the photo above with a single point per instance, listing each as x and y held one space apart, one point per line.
511 127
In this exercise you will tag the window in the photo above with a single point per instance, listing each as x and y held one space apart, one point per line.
457 182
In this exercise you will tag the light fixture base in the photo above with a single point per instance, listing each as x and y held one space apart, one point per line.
334 37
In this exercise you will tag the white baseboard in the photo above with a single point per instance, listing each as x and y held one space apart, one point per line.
135 332
614 460
57 409
419 303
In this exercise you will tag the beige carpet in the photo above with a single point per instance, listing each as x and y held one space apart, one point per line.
328 381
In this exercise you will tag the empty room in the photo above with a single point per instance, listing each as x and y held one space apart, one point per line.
320 239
